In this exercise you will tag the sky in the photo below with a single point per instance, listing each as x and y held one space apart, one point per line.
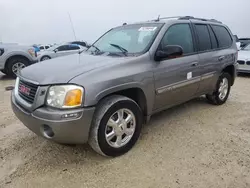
47 21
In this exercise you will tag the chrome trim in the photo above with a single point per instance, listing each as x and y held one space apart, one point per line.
184 83
177 85
208 75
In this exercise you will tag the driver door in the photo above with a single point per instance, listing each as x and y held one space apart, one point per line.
177 80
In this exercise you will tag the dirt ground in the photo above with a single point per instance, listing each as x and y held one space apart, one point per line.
193 145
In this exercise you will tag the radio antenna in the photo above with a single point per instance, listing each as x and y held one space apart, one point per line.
72 26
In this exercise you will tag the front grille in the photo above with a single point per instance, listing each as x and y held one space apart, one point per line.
241 62
248 62
31 88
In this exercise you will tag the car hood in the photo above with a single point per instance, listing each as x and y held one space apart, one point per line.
244 55
63 69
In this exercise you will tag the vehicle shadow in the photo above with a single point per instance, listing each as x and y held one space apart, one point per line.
5 77
61 157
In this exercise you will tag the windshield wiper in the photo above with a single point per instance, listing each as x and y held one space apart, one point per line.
95 47
123 50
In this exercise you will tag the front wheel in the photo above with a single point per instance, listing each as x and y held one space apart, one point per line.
116 126
16 64
44 58
223 87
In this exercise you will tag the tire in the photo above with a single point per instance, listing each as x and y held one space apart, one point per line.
216 98
44 58
14 62
106 109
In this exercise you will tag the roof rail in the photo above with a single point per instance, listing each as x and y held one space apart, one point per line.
201 19
163 18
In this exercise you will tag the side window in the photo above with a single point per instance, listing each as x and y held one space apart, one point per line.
203 37
46 47
62 48
179 34
73 47
214 41
223 36
41 48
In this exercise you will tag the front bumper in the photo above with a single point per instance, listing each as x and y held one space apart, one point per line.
67 131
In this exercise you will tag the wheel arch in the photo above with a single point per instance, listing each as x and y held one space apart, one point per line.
231 70
135 93
13 57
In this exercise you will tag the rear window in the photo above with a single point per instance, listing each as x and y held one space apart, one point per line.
223 36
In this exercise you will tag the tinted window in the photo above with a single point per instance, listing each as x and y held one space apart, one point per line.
203 37
223 36
46 47
41 48
62 48
181 35
73 47
79 43
213 38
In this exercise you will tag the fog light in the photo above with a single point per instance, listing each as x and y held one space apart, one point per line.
47 131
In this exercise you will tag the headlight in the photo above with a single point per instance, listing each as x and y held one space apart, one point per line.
32 52
65 96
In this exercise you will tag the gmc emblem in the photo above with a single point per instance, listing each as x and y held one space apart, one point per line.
24 89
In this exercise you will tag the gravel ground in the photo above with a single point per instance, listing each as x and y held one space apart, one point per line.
192 145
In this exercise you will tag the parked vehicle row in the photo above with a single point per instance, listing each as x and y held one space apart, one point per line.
60 50
103 95
244 59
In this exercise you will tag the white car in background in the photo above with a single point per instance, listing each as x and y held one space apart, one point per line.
244 60
44 47
60 50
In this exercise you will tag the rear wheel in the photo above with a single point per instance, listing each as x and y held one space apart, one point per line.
116 126
16 64
222 92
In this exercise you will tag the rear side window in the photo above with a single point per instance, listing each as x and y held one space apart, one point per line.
213 38
203 37
41 48
73 47
179 34
62 48
223 36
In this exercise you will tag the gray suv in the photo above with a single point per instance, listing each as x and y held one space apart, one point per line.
104 95
15 57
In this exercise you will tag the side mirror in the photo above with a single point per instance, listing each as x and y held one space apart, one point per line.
169 51
55 50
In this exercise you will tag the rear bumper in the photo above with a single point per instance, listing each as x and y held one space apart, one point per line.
44 122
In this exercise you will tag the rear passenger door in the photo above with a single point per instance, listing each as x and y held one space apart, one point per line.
208 56
177 80
214 47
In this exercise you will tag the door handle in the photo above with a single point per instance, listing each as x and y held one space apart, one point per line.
194 64
221 58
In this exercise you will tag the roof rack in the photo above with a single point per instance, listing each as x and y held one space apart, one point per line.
200 19
186 18
164 18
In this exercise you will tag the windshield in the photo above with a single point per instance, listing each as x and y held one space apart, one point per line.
127 39
247 48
